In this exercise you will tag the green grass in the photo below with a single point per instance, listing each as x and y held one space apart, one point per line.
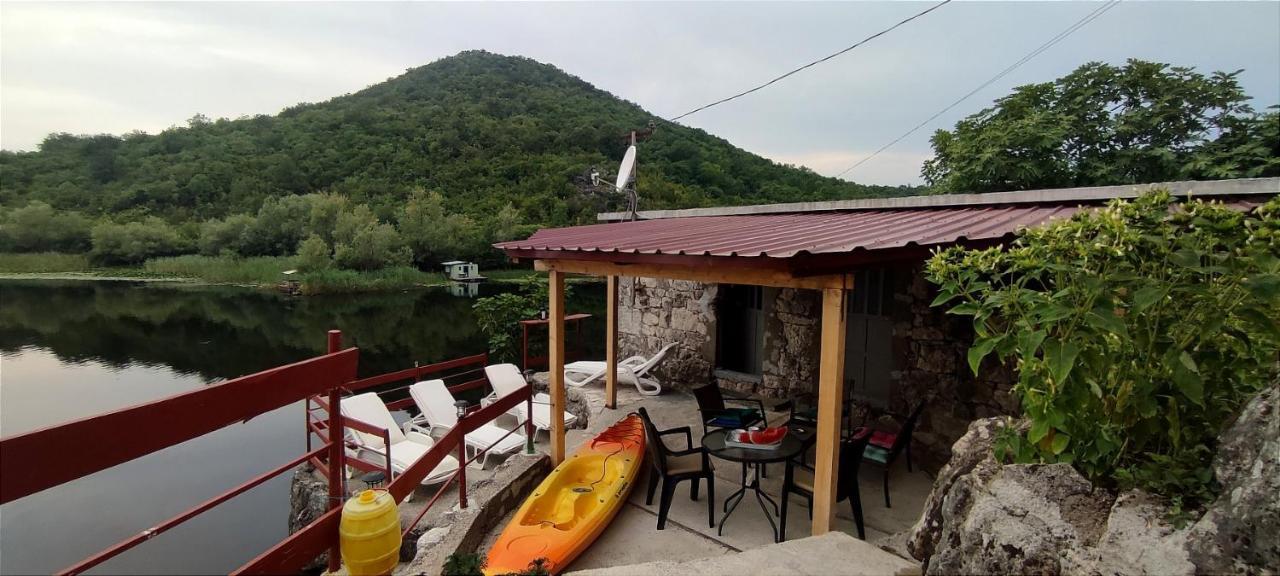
338 281
257 271
43 263
508 275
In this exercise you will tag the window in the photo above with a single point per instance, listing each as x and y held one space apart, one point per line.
739 328
869 338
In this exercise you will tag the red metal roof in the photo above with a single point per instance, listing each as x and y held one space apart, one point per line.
787 235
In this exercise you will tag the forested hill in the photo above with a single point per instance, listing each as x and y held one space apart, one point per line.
481 129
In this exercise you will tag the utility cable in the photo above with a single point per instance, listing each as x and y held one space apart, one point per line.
1061 35
815 62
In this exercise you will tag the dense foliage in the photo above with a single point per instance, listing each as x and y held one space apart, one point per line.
498 316
1137 331
1104 124
504 141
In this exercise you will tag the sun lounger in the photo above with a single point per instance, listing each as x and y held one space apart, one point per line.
438 411
406 447
506 379
634 370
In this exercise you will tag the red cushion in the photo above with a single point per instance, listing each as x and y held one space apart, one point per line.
883 439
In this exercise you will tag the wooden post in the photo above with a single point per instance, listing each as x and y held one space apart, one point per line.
337 468
611 345
830 396
555 361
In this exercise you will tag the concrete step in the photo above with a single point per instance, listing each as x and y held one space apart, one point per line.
831 553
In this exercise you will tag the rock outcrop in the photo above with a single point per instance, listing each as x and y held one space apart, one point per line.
986 517
1240 532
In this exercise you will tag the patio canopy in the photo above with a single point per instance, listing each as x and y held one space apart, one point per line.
814 246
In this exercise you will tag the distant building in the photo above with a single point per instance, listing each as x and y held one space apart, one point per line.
460 271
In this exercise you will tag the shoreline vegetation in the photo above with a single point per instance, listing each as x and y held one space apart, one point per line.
263 272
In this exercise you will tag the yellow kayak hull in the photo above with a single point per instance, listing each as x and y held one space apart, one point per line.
573 504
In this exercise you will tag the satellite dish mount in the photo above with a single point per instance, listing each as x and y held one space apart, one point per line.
626 179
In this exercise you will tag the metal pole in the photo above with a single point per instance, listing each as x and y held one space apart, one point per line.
462 473
528 417
336 466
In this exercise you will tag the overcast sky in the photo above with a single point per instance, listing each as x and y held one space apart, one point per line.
91 68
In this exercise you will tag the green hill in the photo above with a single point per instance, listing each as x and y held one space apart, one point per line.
480 128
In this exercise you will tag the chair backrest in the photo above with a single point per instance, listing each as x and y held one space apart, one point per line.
656 448
851 450
904 435
436 403
368 408
504 378
653 361
709 397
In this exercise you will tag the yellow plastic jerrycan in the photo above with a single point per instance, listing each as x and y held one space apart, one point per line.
369 533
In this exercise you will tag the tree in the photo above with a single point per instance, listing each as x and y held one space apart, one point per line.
432 233
134 242
1104 124
279 227
37 227
227 235
363 243
313 254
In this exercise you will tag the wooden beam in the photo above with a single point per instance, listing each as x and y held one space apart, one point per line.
611 345
830 394
555 361
713 275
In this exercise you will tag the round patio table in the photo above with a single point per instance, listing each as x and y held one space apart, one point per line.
792 445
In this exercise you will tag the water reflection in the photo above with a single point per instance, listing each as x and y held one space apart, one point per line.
73 349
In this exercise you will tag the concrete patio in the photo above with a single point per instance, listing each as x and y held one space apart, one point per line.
633 537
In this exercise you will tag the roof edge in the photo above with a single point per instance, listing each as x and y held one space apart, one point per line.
1236 187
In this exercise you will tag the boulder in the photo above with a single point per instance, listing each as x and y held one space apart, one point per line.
308 500
986 517
1240 531
575 401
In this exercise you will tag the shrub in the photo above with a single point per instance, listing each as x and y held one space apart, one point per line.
313 254
37 227
228 235
372 247
498 316
134 242
1137 331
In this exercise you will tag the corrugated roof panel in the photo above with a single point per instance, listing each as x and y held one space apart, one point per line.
786 235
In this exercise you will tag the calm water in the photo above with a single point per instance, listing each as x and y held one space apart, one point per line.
74 349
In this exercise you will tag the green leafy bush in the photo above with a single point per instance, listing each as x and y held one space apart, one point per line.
314 255
227 235
134 242
498 316
1137 331
37 227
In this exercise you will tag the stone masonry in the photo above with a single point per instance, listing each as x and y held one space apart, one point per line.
928 346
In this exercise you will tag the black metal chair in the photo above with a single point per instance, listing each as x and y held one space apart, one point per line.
674 466
715 413
884 447
799 480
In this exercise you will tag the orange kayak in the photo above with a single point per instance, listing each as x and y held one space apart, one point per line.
573 504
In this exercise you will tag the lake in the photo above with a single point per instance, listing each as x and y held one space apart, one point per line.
75 349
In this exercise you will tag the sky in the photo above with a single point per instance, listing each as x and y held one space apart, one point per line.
113 68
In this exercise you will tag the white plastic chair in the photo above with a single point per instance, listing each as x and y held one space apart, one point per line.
438 411
506 379
633 370
406 447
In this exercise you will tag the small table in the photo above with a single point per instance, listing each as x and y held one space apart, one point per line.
792 444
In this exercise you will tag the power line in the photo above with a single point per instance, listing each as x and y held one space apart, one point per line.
1090 17
815 62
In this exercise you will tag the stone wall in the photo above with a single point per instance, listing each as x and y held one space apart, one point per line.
653 313
929 349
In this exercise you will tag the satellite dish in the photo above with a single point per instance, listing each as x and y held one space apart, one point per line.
628 166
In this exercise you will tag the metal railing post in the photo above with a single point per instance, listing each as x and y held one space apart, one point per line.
337 469
462 474
528 422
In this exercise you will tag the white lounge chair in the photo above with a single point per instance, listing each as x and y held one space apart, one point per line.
438 411
506 379
406 447
633 369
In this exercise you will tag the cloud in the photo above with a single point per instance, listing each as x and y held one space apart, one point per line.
89 68
889 168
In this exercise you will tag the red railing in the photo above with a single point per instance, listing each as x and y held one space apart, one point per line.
303 546
51 456
48 457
